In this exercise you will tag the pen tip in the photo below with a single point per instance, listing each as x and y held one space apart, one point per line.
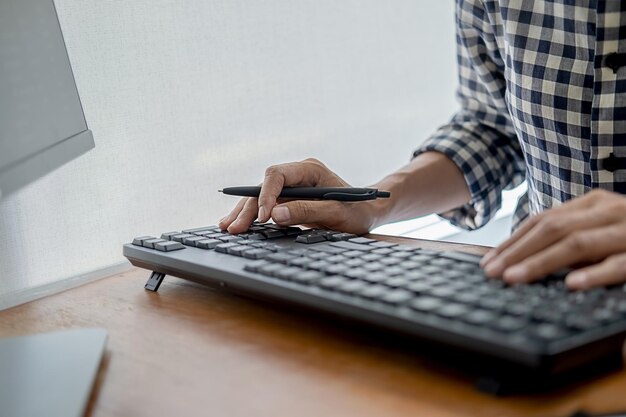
220 191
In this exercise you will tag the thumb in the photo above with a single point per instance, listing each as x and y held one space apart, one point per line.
304 212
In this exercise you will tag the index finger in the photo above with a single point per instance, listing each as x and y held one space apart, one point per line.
277 176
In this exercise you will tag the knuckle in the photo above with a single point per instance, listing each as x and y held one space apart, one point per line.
576 242
553 226
300 210
618 262
272 170
337 212
313 161
598 193
616 206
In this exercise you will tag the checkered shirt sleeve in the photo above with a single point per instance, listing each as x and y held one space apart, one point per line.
480 138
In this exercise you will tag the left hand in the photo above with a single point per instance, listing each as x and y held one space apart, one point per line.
589 230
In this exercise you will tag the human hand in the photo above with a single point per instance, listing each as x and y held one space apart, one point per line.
347 217
589 230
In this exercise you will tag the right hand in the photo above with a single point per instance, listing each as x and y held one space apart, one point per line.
349 217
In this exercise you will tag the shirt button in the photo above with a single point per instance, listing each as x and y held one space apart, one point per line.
615 61
612 163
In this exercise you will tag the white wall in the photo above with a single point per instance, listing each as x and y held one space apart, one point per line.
185 97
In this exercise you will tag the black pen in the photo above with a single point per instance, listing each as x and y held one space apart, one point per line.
314 193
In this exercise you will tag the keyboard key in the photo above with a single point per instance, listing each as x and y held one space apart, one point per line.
282 258
293 231
138 241
362 240
255 266
374 277
394 270
442 292
319 265
389 261
337 269
396 282
236 250
207 243
548 331
198 229
426 304
230 238
270 269
580 323
371 257
356 273
332 281
461 256
406 248
382 251
442 262
356 262
374 291
341 236
223 247
510 324
352 286
373 266
352 245
409 265
397 297
336 259
256 253
191 241
256 236
308 277
272 233
466 297
180 237
287 273
204 233
274 226
301 262
401 254
452 310
168 246
149 243
168 235
310 238
382 244
317 255
419 287
480 317
327 249
518 309
492 303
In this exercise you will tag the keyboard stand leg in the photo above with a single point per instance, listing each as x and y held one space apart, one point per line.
154 282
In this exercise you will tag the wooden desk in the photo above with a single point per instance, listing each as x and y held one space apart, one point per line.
190 350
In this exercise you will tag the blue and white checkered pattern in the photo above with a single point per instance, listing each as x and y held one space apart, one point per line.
538 102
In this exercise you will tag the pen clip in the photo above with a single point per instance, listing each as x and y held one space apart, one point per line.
339 196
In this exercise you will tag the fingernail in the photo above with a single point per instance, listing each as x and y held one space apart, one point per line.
488 256
280 214
516 273
262 213
576 278
495 268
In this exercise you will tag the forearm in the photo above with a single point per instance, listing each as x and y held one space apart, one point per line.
430 183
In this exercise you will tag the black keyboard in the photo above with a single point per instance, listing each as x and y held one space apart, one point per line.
441 297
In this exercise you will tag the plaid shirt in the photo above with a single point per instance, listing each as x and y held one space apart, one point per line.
543 98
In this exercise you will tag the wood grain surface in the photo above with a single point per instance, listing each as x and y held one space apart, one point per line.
190 350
